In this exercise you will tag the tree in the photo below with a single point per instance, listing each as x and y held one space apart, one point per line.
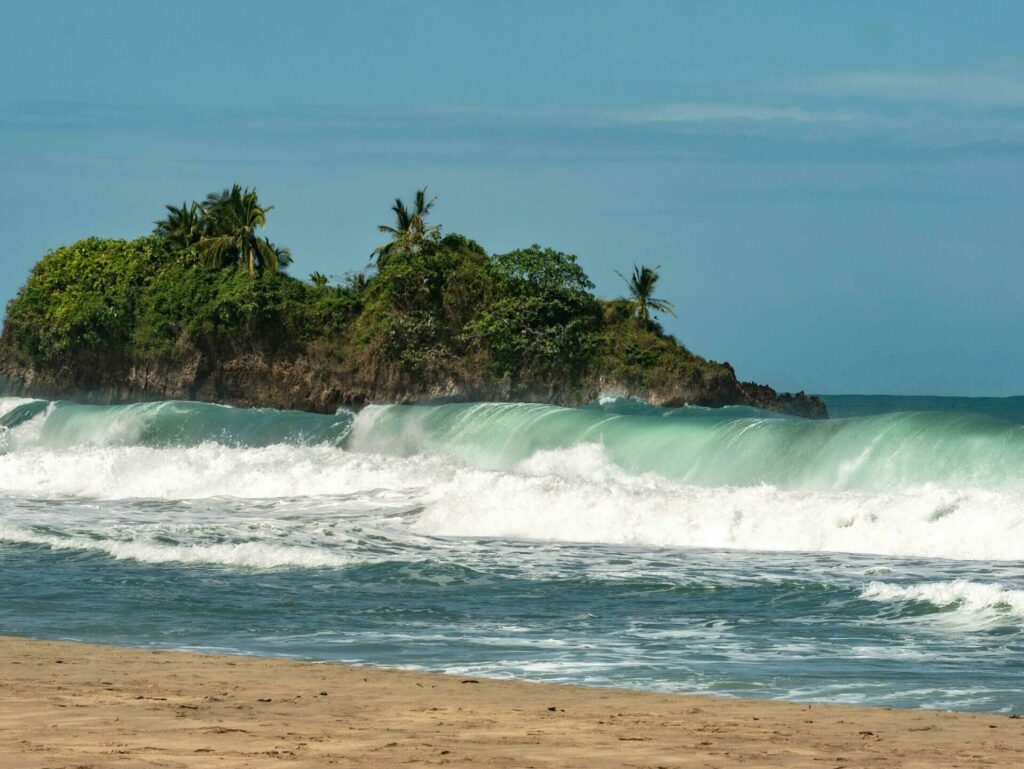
410 230
356 281
542 320
231 220
183 227
318 279
641 289
283 254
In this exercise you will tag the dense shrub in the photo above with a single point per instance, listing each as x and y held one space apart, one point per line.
84 297
442 308
142 298
543 319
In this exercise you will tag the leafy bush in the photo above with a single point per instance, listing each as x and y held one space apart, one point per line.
442 309
142 298
84 297
544 316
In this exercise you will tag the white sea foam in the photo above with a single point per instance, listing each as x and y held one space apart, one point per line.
209 470
572 495
259 555
973 600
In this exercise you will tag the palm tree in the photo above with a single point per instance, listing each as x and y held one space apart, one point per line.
183 226
641 289
410 230
232 218
283 253
356 281
318 279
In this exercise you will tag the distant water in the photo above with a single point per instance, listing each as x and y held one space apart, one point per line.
874 558
843 406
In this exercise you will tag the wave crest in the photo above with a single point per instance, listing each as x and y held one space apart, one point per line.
975 600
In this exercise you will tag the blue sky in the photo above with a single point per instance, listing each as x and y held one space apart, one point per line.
834 191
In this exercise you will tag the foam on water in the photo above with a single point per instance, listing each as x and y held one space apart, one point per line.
254 555
977 601
703 447
716 447
572 495
871 560
651 511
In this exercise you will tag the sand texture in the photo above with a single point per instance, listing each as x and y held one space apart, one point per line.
77 705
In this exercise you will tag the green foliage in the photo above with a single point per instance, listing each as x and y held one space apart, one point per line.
437 307
144 298
641 286
183 227
85 296
627 350
223 230
418 305
410 231
544 270
229 238
214 310
543 318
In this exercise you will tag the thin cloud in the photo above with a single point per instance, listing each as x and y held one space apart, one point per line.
717 112
697 112
979 89
575 130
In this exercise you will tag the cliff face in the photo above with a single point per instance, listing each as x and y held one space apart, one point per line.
311 382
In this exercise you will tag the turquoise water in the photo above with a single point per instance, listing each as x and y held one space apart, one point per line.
843 406
875 558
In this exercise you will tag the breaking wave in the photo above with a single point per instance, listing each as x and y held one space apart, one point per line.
921 484
984 602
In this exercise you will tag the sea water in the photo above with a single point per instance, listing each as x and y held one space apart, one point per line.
874 558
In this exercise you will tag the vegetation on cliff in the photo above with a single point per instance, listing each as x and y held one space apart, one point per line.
435 316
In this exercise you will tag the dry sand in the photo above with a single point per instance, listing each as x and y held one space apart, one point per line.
77 705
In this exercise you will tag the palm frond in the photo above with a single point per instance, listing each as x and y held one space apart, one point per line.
640 286
662 305
409 229
267 257
218 250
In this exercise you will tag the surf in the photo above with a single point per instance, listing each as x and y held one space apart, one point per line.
923 485
693 446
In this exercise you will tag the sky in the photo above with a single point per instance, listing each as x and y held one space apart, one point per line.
834 191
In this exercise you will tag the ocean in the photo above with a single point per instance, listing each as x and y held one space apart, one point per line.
874 558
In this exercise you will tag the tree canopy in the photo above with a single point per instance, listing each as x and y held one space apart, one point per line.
435 306
641 285
410 230
223 230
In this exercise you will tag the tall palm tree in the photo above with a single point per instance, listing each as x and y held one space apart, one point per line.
232 218
183 227
410 229
641 294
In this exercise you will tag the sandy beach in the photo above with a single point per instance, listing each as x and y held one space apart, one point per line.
78 705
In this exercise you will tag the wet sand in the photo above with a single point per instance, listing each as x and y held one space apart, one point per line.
86 706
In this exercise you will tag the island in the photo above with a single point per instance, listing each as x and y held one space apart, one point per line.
203 308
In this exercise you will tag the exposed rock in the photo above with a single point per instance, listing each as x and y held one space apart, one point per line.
311 382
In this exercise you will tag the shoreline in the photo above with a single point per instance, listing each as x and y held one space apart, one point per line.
83 705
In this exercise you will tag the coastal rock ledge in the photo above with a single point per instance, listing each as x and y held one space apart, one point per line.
312 383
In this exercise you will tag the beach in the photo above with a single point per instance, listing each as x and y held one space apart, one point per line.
511 385
82 705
